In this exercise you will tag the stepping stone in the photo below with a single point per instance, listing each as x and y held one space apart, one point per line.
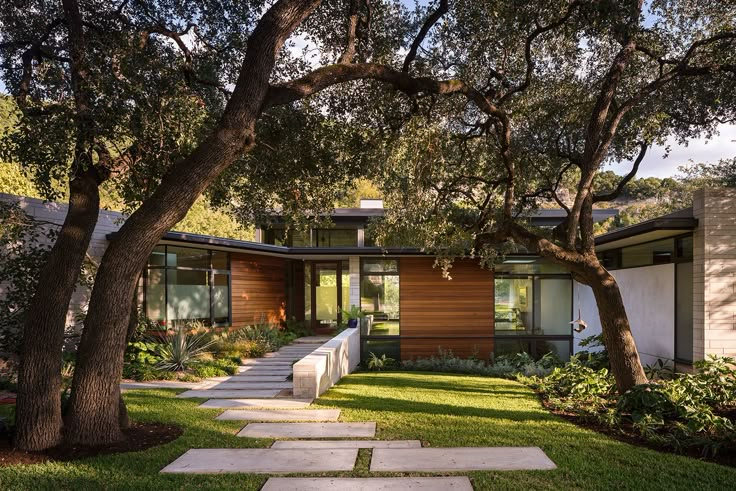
229 394
460 459
281 415
249 385
311 444
367 484
309 430
253 377
261 461
256 403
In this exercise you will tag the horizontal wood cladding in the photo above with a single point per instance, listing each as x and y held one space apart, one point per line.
258 288
455 314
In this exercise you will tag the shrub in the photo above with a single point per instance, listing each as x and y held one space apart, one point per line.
180 349
215 368
298 328
266 335
681 412
598 357
379 363
505 366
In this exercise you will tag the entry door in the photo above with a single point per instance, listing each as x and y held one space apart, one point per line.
329 285
326 294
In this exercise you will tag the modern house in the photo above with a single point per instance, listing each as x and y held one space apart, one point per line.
677 274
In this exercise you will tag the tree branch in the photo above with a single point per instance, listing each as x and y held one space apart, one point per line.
419 39
351 44
528 50
628 177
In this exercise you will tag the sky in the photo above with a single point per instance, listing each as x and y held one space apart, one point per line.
721 146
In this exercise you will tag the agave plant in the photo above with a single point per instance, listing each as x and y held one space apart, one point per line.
180 349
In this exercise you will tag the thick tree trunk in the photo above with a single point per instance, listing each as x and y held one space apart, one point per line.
624 357
94 410
132 326
38 417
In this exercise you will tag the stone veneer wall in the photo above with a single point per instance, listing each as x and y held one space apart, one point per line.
55 213
714 273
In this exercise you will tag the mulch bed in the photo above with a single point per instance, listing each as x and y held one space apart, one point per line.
626 434
140 436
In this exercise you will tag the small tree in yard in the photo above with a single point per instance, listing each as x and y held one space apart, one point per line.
519 96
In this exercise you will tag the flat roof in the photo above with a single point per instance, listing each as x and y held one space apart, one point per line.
669 225
542 217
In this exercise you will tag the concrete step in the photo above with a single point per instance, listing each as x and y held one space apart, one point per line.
252 377
281 415
312 444
247 385
368 484
276 403
229 394
266 362
460 459
309 430
261 461
265 370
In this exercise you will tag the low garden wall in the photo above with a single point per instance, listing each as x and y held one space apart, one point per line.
320 370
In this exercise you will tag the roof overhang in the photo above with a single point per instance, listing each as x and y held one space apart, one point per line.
219 243
655 229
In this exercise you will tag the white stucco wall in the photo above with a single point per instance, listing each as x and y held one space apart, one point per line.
649 297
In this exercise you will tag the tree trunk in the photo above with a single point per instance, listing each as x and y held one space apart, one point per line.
132 326
94 410
38 420
624 357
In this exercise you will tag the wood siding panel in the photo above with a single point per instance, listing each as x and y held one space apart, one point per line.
454 314
258 288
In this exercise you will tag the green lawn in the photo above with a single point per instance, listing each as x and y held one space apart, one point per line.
440 410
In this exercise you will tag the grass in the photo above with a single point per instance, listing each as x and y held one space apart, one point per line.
440 410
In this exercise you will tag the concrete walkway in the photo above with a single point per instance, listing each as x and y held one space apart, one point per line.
312 441
257 381
368 484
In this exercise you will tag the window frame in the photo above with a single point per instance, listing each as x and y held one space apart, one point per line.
533 338
211 272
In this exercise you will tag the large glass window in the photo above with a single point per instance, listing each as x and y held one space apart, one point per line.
532 315
659 252
337 237
187 284
533 305
379 296
514 305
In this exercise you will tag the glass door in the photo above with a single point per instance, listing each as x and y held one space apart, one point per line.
325 295
326 292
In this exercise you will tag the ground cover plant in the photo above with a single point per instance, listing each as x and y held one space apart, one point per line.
441 410
689 413
446 361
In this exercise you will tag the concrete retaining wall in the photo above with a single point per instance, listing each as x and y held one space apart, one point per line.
320 370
